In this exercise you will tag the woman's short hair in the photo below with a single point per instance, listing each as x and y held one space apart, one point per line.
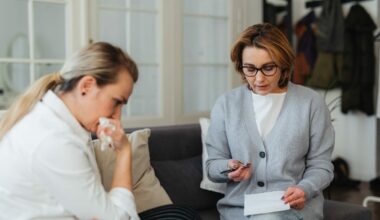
268 37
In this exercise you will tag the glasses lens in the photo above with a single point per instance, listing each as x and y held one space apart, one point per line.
249 70
269 70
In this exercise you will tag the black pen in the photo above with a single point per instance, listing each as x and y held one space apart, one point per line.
231 170
227 171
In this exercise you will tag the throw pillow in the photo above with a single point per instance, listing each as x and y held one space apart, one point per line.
206 183
147 189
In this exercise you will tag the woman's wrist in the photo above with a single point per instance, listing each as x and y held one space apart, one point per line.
124 149
123 167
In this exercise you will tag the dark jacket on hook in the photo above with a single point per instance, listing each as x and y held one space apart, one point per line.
329 33
306 48
358 73
330 27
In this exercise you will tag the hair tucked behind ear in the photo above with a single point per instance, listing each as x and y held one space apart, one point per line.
24 103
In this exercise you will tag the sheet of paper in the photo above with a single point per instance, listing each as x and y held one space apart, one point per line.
264 203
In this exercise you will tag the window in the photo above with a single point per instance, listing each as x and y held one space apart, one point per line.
206 40
33 45
181 48
132 25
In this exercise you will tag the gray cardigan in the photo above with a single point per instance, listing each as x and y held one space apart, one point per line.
297 151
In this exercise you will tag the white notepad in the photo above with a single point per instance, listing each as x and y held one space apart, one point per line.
264 203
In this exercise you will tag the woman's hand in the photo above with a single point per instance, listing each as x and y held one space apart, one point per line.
241 172
119 139
122 174
296 197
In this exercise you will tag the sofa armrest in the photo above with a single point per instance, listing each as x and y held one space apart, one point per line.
334 210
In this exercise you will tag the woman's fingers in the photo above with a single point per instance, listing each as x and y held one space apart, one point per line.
297 204
295 197
114 130
240 174
233 164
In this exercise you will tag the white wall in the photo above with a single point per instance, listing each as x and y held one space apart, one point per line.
355 132
355 141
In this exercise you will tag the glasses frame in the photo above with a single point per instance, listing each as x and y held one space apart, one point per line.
259 69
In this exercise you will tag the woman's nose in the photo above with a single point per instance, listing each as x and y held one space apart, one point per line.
260 76
117 112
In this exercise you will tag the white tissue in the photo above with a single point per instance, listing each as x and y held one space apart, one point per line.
105 140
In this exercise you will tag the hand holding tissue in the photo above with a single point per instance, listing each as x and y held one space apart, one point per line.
106 140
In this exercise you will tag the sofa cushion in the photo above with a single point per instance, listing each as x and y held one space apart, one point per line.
180 143
209 214
344 210
181 180
146 187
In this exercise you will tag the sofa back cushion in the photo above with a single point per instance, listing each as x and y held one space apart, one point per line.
176 156
175 142
181 180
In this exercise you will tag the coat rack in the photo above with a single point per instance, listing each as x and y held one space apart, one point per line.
316 3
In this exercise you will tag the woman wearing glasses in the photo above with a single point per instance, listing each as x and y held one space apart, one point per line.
270 134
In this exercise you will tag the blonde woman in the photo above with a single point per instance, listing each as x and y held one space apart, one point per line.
47 164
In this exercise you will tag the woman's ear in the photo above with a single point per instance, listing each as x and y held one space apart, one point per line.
86 84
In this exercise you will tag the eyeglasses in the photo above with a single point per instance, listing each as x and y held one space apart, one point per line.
267 70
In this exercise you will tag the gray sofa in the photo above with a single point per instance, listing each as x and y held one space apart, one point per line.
176 156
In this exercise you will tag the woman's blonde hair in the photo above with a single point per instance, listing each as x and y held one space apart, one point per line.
100 60
268 37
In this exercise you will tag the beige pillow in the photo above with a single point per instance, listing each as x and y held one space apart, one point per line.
147 189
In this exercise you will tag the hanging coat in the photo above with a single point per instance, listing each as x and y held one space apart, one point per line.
330 27
306 48
358 75
330 34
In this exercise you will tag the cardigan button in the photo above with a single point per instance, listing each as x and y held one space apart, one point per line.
260 183
262 154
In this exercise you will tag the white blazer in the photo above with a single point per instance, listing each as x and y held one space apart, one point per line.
48 170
